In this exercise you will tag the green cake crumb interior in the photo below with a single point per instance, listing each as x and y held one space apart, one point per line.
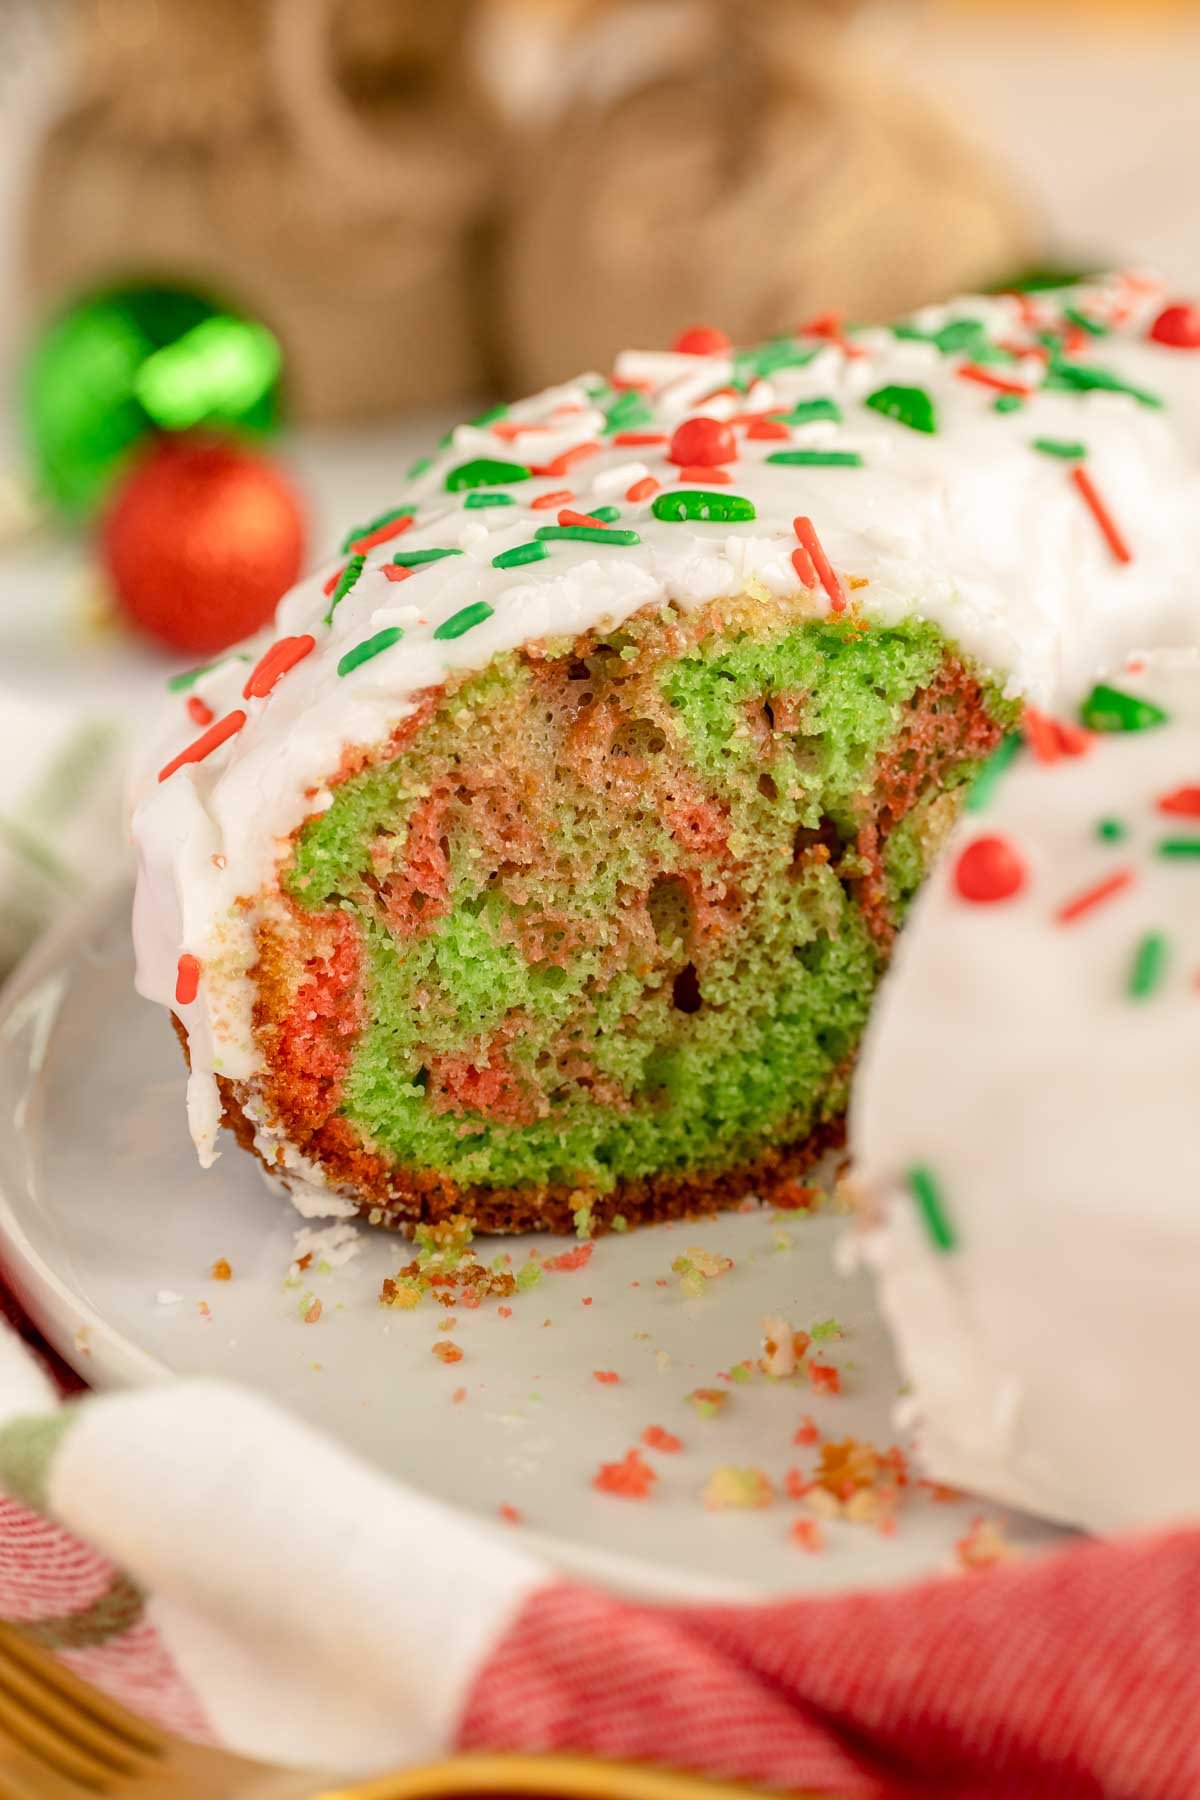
620 905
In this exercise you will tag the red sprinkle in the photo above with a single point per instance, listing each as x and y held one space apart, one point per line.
655 1438
825 1378
803 564
701 340
986 378
1051 739
562 465
703 443
508 429
282 656
557 497
383 534
768 428
606 1377
630 440
198 712
1182 803
806 1432
988 869
509 1514
329 586
567 517
211 740
697 472
395 572
624 384
187 979
1101 514
806 531
1178 326
642 490
1093 896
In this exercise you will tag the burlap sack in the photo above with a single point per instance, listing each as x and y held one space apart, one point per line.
320 162
739 161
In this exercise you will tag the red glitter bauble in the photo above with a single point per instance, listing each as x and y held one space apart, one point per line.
703 444
701 340
989 869
201 541
1178 326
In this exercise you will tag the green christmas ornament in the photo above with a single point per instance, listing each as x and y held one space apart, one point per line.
129 361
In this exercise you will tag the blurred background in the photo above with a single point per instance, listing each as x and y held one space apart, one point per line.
256 254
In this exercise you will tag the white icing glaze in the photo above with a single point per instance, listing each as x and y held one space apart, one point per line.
968 527
1050 1352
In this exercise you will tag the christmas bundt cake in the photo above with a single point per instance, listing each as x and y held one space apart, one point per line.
540 864
1025 1122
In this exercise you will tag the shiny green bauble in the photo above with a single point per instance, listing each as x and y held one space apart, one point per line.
121 364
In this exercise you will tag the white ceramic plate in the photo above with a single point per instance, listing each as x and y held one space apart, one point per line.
104 1215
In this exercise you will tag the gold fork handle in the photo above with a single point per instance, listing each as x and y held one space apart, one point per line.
556 1777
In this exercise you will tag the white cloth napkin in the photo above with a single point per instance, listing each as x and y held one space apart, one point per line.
323 1615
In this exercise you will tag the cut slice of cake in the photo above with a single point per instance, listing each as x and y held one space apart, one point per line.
541 865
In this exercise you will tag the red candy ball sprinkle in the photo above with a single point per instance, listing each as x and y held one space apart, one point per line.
1178 326
701 340
989 869
703 444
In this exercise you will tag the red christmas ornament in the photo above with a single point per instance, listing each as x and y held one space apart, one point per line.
701 340
201 541
1178 326
703 444
989 869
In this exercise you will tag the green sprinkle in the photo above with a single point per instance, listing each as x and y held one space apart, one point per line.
702 503
1180 849
823 1329
1110 709
412 559
817 459
421 467
345 582
959 334
985 783
1149 962
464 620
483 470
620 1222
1068 448
1083 377
179 684
1094 326
586 534
528 1275
629 410
489 417
805 411
383 518
520 553
1006 403
923 1186
910 406
372 646
478 498
764 359
604 512
1111 831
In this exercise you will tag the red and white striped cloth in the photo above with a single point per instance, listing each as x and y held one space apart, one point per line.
1076 1675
